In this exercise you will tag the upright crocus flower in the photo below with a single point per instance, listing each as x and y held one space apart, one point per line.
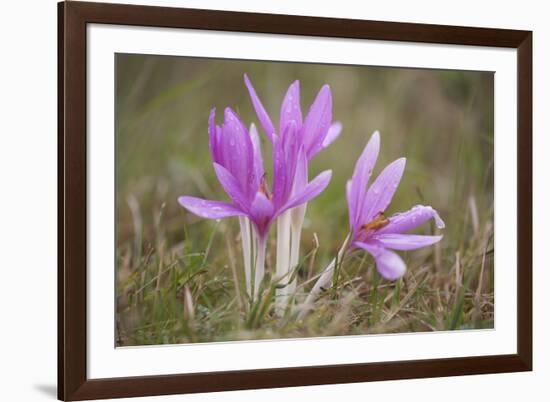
370 230
316 132
238 164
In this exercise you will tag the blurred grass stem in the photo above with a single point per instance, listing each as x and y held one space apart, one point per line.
323 282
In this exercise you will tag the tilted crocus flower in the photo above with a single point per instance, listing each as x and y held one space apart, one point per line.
369 228
316 131
238 164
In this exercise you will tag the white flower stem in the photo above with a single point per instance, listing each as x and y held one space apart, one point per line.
324 281
259 268
296 222
247 251
283 260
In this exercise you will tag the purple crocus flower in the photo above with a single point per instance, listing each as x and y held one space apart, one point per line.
370 229
317 129
315 132
238 164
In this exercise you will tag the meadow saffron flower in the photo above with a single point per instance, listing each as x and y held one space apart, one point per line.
370 230
316 132
238 163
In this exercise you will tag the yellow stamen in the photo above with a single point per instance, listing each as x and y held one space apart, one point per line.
377 223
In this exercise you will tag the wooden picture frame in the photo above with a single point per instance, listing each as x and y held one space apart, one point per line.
73 382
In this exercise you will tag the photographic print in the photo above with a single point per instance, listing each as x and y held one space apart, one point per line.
264 200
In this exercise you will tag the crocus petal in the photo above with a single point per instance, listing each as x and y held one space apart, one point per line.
333 132
261 213
388 263
291 140
258 159
231 186
265 121
382 190
317 122
209 209
312 190
279 176
236 145
292 146
290 108
405 241
301 176
285 155
261 206
360 179
416 216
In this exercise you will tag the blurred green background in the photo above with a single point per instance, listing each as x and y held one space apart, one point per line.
441 121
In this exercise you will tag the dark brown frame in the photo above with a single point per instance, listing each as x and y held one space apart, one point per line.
73 383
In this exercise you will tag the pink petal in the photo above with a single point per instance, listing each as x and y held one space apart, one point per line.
405 241
261 206
237 150
333 132
382 190
312 190
416 216
291 140
279 174
258 159
317 122
360 179
301 176
388 263
261 213
285 159
231 186
209 209
265 121
290 108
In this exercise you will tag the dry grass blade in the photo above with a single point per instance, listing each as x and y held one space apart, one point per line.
404 301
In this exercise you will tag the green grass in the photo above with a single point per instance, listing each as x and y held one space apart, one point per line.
180 278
